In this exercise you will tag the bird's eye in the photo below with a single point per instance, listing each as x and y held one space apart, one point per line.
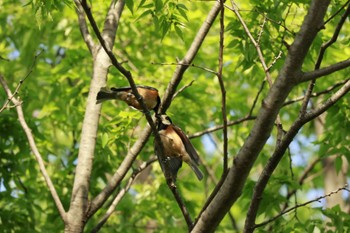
168 119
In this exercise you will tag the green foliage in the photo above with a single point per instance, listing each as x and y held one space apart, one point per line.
166 15
42 39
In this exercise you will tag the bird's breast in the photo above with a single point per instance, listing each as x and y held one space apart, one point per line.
172 143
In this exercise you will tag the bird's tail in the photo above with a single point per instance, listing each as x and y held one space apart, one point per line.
105 94
196 170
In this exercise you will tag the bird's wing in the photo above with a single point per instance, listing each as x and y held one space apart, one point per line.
188 145
117 89
129 88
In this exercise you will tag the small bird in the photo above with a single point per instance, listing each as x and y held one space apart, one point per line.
177 145
149 94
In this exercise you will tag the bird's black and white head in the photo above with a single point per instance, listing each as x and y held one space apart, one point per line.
163 121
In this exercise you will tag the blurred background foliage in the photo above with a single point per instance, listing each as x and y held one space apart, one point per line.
42 39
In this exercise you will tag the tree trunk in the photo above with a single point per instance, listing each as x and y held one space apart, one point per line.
332 179
79 205
76 215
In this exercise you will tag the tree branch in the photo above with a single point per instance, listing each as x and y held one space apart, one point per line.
257 97
34 148
182 89
326 91
182 206
324 71
301 205
119 175
176 78
79 205
106 44
320 59
9 99
84 30
111 22
262 61
255 43
232 185
302 178
328 103
336 13
187 60
279 152
122 193
334 37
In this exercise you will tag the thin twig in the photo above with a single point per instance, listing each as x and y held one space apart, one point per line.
336 13
182 206
261 29
127 74
131 81
122 193
222 87
326 91
262 61
120 173
25 189
302 178
84 27
182 89
256 45
283 25
189 57
328 103
274 61
216 128
34 149
9 99
257 97
344 188
4 59
320 58
185 64
280 151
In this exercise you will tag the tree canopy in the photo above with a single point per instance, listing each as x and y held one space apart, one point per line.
260 88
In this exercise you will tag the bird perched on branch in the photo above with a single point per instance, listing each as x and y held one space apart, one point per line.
149 95
177 146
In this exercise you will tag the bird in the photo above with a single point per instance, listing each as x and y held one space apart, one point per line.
170 166
149 95
177 146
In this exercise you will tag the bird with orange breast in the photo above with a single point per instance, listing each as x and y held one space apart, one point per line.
177 147
149 95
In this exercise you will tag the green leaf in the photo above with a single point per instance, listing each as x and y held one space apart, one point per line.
182 11
130 5
48 110
158 5
145 13
338 162
141 4
179 32
104 139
